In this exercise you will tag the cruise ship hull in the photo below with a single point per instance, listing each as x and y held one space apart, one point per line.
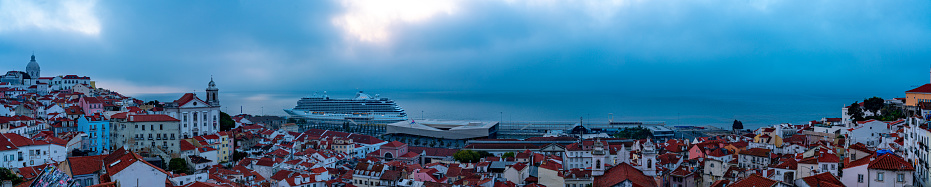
338 116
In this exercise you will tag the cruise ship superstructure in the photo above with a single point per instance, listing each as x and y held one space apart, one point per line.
362 108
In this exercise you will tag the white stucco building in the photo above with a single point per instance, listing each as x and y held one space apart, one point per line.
198 117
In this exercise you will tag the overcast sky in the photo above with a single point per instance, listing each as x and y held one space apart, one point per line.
650 46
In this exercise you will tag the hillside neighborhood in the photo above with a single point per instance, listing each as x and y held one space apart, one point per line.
99 137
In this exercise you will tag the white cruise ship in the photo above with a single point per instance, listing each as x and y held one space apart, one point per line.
361 108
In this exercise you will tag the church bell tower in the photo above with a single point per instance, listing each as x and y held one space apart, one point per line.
212 92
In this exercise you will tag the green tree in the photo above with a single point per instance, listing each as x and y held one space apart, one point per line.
238 156
507 155
873 104
155 103
466 156
737 125
178 165
7 174
226 122
855 112
634 133
483 154
892 113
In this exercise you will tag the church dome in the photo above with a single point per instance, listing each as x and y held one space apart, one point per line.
33 65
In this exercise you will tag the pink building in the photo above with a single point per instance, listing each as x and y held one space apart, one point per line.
392 150
91 105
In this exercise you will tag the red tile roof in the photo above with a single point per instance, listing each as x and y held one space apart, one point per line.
829 158
760 152
682 171
187 97
624 172
185 145
121 158
281 175
891 162
819 179
393 144
720 183
85 164
754 180
921 89
519 166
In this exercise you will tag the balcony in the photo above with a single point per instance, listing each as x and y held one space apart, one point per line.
150 138
172 138
139 138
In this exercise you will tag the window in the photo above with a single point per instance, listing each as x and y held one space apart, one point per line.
900 178
143 127
879 176
712 164
161 127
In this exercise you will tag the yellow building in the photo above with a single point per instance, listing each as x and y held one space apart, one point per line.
917 95
221 141
769 136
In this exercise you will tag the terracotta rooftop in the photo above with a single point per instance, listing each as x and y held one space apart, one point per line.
754 180
760 152
821 179
891 162
921 89
624 172
394 144
85 164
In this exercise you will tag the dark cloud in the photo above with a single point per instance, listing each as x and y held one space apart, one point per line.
634 46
